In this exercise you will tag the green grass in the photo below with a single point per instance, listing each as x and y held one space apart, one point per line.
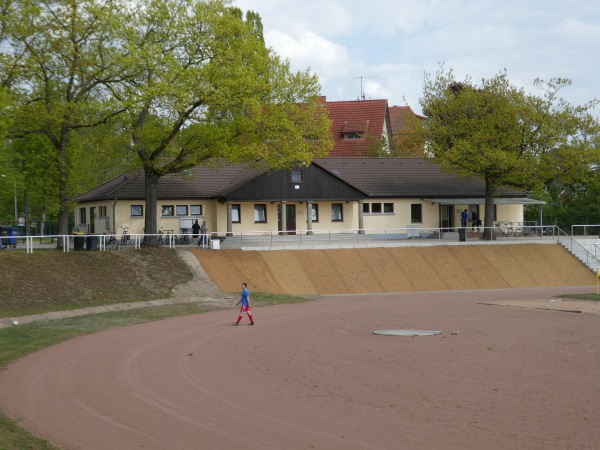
28 338
595 297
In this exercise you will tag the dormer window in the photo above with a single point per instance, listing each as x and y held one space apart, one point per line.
353 135
353 130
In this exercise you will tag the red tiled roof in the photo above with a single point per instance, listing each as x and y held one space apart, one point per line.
366 117
398 115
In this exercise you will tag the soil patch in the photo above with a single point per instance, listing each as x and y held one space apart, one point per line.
398 269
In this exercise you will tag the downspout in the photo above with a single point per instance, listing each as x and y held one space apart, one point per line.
114 214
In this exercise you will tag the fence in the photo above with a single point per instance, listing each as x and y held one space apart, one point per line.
413 235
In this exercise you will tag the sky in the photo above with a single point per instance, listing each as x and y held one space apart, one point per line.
385 47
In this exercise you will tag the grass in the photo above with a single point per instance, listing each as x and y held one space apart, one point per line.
56 281
595 297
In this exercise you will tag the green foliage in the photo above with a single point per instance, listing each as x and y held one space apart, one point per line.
504 136
161 84
566 215
203 85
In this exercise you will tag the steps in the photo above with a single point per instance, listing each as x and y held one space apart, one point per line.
585 250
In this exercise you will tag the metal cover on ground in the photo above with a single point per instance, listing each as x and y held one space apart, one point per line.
407 332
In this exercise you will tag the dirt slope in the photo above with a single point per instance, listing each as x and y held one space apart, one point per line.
398 269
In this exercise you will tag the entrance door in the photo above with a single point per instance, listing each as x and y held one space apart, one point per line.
92 220
446 217
290 219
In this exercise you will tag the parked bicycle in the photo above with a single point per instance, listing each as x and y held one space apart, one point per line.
111 243
184 239
171 237
125 237
503 228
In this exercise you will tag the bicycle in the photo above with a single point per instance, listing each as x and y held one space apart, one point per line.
171 237
125 237
184 239
503 229
112 243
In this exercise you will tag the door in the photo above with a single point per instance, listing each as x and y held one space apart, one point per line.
446 217
290 219
92 220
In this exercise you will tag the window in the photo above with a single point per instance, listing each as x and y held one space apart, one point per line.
337 210
196 210
297 176
235 214
102 211
168 210
137 210
378 208
315 213
82 215
416 214
353 136
260 213
181 210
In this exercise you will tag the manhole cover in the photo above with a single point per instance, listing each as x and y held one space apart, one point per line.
407 332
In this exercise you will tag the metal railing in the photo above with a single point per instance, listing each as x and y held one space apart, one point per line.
412 235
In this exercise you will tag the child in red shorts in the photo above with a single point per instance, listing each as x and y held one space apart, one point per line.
245 308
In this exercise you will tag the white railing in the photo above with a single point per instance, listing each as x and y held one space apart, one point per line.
501 231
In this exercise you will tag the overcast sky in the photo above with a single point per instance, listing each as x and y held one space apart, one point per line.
393 43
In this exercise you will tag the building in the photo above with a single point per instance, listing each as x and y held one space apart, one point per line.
362 194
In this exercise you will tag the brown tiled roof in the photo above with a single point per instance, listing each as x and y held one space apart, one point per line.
203 181
398 115
367 117
406 177
376 177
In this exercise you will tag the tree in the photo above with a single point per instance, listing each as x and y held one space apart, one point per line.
504 136
206 87
66 55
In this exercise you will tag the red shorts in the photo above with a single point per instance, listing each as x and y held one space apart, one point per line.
245 309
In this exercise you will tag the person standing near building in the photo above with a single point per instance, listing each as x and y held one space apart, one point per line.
204 233
464 217
195 232
475 222
245 308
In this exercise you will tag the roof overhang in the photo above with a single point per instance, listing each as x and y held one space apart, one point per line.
481 201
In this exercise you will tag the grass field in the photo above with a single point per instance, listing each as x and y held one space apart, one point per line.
81 279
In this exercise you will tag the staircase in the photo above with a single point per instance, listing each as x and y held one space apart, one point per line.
586 250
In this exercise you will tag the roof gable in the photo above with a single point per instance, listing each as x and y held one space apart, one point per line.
367 118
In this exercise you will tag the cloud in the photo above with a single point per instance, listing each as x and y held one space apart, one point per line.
399 40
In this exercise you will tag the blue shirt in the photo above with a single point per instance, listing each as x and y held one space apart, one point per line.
245 295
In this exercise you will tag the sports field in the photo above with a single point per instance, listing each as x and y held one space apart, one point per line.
514 375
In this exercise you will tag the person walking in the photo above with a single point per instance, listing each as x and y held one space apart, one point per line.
195 232
245 308
475 222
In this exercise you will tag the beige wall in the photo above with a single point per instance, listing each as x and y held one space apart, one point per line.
119 214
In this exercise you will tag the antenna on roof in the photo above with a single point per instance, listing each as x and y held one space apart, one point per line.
362 93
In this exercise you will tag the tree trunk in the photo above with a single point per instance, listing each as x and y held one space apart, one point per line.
150 220
488 222
63 190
